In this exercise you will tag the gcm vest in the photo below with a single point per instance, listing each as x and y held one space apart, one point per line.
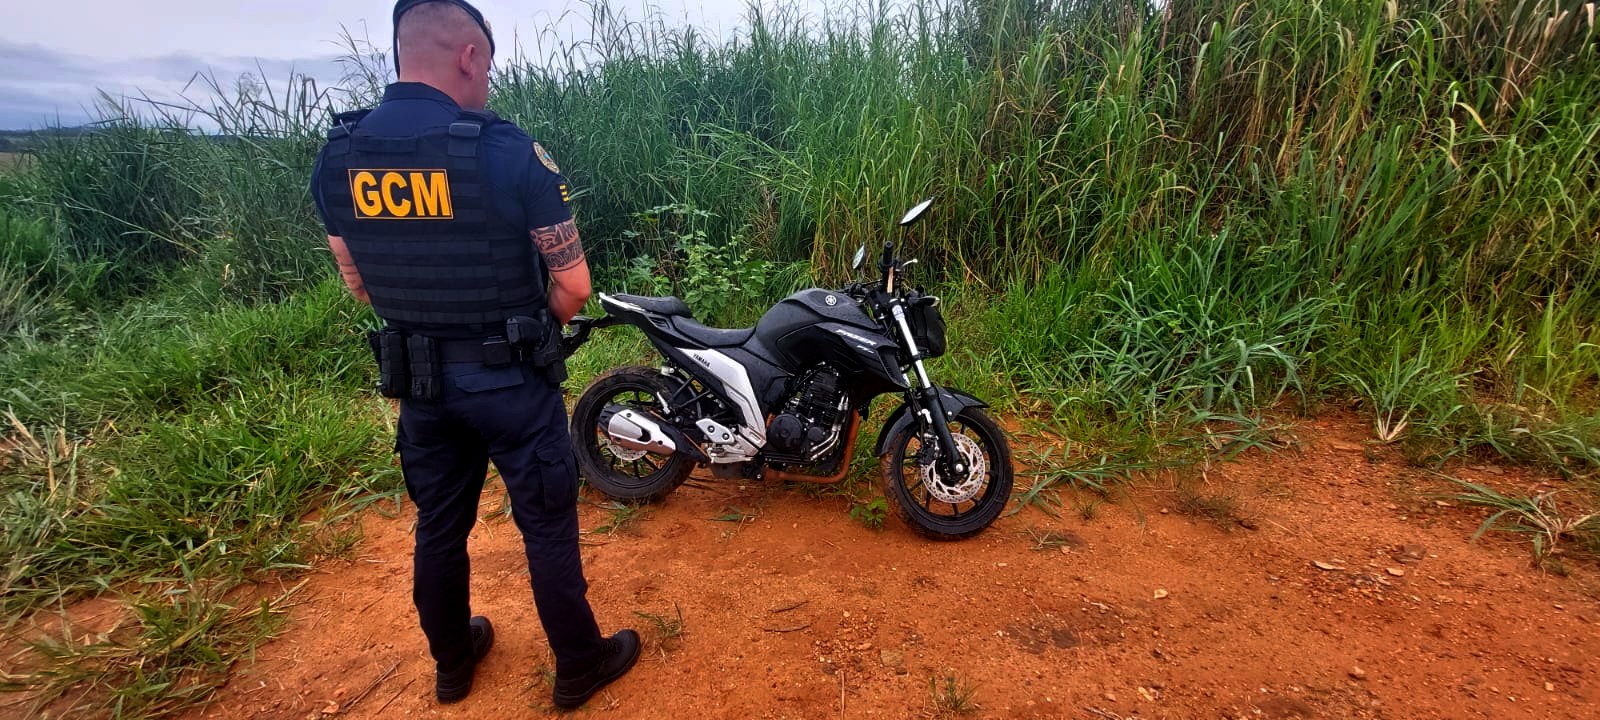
416 214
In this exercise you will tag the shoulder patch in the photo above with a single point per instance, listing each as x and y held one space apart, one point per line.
544 157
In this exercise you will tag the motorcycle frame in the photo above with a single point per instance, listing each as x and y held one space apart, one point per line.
928 405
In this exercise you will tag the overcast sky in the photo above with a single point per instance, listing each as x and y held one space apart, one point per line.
54 56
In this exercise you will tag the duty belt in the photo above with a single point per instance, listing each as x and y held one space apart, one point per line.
410 365
495 351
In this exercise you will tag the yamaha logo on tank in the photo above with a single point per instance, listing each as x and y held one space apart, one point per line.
831 300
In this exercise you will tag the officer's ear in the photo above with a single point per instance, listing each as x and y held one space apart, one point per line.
467 59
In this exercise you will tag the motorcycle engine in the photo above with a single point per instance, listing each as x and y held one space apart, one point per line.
811 421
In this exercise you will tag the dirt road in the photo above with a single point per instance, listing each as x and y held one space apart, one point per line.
800 612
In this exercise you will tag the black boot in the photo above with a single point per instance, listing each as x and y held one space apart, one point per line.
453 686
616 659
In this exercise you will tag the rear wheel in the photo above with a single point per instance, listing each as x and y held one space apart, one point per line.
617 472
946 508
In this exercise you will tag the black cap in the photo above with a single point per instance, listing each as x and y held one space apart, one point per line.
402 6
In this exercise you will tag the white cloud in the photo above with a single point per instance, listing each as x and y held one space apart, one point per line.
42 86
57 57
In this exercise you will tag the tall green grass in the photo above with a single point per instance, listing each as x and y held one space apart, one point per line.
183 387
169 459
1156 222
1155 208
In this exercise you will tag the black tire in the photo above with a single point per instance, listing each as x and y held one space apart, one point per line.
634 480
935 518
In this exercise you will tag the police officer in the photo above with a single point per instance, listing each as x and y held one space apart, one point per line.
448 220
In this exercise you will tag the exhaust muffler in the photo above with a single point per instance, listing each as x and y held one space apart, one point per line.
635 429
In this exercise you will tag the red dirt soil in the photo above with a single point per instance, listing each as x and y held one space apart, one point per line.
801 612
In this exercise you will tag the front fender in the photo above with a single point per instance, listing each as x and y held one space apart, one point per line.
954 401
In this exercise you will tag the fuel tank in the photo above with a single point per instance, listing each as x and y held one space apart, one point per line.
818 325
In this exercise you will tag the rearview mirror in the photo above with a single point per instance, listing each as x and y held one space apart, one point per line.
915 213
861 255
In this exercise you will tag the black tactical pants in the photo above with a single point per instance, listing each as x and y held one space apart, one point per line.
515 417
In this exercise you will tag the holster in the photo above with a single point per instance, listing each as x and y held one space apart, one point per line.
389 350
538 342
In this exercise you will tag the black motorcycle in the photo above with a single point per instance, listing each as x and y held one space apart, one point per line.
784 401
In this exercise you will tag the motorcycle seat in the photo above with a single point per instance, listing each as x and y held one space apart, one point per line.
710 336
669 306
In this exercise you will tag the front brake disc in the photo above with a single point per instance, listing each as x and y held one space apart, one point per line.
965 488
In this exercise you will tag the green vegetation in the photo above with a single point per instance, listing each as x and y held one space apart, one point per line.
1540 517
622 517
1155 225
666 631
952 697
871 512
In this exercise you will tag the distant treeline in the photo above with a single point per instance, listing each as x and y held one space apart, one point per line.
21 141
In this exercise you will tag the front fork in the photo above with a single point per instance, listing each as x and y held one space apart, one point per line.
930 412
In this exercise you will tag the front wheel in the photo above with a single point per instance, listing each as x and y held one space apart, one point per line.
617 472
949 508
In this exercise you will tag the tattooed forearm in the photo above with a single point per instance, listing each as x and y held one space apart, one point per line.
559 245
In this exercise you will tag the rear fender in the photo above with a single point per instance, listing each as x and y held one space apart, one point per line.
954 401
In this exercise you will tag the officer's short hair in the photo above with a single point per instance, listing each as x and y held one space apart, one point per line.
441 22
